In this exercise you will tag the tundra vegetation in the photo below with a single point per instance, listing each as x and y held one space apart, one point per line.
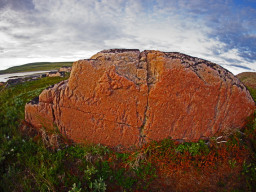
40 66
46 161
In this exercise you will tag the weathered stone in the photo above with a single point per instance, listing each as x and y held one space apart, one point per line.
65 69
127 97
55 74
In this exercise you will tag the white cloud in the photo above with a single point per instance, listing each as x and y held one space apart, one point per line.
52 30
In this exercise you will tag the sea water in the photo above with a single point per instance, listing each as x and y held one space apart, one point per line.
6 77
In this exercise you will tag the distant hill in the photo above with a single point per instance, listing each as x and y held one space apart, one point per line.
39 66
248 79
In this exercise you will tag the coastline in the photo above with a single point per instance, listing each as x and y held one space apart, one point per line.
8 76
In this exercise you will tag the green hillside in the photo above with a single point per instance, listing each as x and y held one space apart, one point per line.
248 79
40 66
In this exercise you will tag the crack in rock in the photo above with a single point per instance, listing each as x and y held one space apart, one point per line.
160 94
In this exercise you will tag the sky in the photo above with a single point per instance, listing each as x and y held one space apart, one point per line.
221 31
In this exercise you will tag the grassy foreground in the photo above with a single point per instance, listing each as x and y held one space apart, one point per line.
32 164
42 66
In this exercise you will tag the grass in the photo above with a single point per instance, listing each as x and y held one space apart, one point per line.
248 79
42 66
27 163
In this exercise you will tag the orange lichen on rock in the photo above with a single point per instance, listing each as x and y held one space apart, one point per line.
128 97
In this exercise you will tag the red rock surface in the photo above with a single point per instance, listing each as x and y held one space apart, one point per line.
128 97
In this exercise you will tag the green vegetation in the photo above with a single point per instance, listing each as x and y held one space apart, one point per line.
42 66
248 79
253 92
29 163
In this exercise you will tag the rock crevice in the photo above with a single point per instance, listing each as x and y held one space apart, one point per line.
127 97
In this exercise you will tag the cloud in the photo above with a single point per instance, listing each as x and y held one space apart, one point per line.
17 5
243 67
216 30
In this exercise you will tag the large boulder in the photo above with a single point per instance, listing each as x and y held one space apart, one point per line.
128 97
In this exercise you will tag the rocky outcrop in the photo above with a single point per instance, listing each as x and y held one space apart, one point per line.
65 69
55 74
20 80
128 97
